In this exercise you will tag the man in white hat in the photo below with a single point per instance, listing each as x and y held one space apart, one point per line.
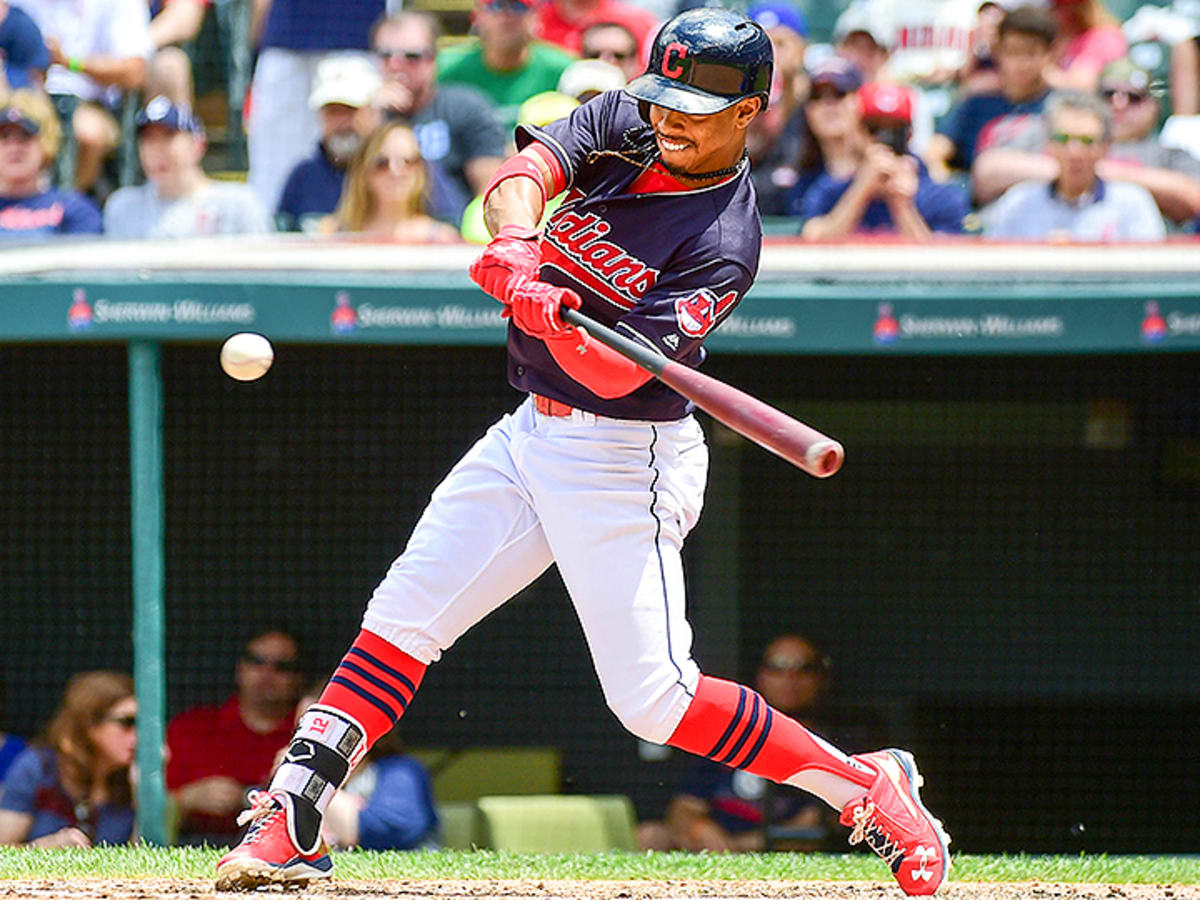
341 97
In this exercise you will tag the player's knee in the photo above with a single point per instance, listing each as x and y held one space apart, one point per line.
651 717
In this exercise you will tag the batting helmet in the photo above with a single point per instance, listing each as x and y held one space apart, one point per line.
705 60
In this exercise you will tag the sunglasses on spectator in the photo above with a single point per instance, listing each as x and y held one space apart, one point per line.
796 666
382 162
411 56
126 722
517 6
1062 137
279 665
825 92
1131 97
611 54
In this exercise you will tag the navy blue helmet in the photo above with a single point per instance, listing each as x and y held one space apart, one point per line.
705 60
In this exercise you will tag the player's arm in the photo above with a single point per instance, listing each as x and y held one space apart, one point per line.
519 189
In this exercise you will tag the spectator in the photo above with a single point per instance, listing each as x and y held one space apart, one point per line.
863 39
721 809
563 22
504 63
173 22
979 75
456 126
776 138
1077 204
1172 176
385 190
73 788
832 121
10 748
343 92
22 49
613 43
98 49
588 78
891 190
29 206
296 35
217 752
1026 37
1089 37
178 199
386 802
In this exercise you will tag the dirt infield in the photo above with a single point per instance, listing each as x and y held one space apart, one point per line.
168 889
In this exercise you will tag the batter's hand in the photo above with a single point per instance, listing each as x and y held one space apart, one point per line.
534 307
512 256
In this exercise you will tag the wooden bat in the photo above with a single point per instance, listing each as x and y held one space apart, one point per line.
802 446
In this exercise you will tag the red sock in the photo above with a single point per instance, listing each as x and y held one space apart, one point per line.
733 725
373 684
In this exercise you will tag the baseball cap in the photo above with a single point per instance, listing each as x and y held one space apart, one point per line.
518 6
1124 73
839 72
858 17
10 115
349 80
880 100
544 108
774 14
590 76
175 116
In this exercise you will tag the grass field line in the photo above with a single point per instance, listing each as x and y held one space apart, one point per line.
198 863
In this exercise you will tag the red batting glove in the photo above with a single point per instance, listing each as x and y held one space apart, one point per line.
534 306
511 256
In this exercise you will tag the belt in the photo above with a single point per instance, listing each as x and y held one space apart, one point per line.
548 407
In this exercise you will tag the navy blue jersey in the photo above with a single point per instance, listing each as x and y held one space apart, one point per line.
663 268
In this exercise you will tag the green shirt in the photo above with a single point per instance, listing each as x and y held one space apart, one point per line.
464 64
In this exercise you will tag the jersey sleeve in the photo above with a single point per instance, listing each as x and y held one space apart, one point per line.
588 128
21 783
682 309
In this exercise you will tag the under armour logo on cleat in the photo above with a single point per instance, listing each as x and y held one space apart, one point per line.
923 855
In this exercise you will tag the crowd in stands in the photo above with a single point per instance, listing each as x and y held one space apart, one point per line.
75 784
1048 120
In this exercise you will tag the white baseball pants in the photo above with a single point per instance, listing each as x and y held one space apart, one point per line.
610 501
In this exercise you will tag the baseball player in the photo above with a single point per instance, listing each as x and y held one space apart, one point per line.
601 470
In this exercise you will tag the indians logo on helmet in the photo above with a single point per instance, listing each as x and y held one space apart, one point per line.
699 312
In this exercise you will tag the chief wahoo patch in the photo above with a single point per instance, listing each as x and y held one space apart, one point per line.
697 313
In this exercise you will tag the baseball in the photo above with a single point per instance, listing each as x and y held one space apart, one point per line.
246 356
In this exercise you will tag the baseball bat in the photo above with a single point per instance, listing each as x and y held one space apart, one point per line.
802 446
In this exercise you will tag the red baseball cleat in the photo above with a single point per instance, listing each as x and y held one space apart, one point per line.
269 852
894 823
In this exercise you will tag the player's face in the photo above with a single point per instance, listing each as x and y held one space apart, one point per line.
115 735
697 144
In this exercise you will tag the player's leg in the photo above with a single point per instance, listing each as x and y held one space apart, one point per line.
477 543
625 574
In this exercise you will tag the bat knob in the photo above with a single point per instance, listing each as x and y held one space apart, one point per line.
824 458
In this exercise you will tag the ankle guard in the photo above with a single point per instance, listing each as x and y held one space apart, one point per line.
327 744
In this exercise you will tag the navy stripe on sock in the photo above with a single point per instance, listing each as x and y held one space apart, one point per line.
377 681
384 668
758 745
741 707
751 721
368 696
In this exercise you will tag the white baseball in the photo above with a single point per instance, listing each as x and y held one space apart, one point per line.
246 356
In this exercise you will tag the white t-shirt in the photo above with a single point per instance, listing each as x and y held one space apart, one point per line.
927 35
219 208
1117 211
118 28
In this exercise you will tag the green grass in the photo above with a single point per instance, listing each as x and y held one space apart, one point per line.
187 862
